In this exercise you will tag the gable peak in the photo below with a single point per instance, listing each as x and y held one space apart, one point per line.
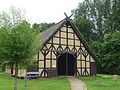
68 17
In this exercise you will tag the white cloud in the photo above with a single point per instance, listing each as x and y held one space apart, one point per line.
42 10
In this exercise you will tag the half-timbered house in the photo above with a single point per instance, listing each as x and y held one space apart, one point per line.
64 52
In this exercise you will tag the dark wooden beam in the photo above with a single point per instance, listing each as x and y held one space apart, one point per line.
67 15
38 61
44 62
85 66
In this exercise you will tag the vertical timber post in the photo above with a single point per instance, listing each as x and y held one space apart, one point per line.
44 62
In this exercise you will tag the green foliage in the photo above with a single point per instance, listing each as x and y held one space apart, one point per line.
40 27
12 18
103 14
91 11
113 21
108 50
86 28
18 43
99 23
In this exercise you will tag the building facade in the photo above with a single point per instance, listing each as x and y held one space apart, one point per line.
64 52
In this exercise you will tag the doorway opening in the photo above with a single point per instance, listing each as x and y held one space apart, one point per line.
66 64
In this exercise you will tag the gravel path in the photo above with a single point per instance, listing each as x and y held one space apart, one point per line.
76 84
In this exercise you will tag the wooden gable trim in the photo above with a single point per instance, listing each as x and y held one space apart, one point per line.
83 40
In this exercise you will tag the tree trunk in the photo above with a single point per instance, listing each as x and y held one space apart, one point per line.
26 79
16 74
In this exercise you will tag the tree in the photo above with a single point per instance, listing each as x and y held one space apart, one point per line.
18 43
42 26
93 11
104 14
108 50
86 28
114 19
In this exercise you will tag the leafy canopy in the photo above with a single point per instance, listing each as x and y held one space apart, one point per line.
109 53
18 43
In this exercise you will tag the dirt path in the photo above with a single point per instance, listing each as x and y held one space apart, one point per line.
77 84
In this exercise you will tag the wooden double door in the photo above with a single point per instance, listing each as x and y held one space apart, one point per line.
66 64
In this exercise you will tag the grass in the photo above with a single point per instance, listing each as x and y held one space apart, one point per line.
60 83
101 83
57 83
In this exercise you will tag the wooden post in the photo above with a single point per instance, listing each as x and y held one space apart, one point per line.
44 62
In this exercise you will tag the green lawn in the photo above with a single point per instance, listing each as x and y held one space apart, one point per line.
60 83
101 83
57 83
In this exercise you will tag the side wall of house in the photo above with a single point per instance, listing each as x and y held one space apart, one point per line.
21 72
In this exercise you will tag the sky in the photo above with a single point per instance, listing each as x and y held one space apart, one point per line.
38 11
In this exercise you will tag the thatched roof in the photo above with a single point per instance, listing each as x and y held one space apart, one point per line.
47 34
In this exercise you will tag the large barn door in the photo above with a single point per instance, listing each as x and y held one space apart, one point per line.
61 63
66 64
71 64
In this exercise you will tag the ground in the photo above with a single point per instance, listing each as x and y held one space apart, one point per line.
77 84
101 83
60 83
